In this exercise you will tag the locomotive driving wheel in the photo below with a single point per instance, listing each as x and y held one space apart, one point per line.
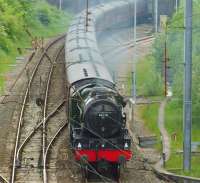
116 172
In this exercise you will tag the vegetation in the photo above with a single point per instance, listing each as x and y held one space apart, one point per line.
174 121
174 111
150 114
175 45
149 83
21 21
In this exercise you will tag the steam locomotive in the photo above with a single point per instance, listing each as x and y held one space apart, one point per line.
98 134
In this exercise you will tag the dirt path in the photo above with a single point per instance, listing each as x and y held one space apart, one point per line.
163 131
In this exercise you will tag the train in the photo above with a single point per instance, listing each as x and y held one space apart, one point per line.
98 132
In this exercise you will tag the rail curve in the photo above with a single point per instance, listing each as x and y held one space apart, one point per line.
25 98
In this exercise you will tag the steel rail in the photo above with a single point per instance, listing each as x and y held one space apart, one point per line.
3 179
139 41
45 113
20 121
92 171
175 177
37 127
48 148
146 39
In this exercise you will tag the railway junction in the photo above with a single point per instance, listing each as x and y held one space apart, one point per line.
60 83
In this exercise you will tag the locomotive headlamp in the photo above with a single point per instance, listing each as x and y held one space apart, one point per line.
126 146
79 145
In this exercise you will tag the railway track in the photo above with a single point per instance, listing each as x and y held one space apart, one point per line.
56 124
29 154
3 179
163 174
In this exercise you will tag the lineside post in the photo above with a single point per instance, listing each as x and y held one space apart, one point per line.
134 54
134 60
176 5
187 87
87 15
166 60
156 15
60 4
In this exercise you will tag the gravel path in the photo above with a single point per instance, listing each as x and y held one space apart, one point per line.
163 131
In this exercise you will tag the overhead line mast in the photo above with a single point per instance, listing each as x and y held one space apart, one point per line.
87 15
187 87
156 15
176 6
60 4
134 62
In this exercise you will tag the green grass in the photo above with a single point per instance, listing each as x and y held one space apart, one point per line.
175 164
149 114
173 116
174 124
145 78
148 85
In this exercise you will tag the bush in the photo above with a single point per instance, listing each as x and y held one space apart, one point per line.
21 16
43 17
149 82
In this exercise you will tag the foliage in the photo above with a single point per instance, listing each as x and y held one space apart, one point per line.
148 80
174 111
19 17
174 125
149 114
175 45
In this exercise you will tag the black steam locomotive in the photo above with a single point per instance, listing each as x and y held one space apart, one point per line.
98 132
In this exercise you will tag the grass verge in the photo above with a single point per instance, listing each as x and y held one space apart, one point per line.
148 85
149 115
174 125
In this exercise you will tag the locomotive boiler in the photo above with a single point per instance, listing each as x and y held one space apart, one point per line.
98 134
